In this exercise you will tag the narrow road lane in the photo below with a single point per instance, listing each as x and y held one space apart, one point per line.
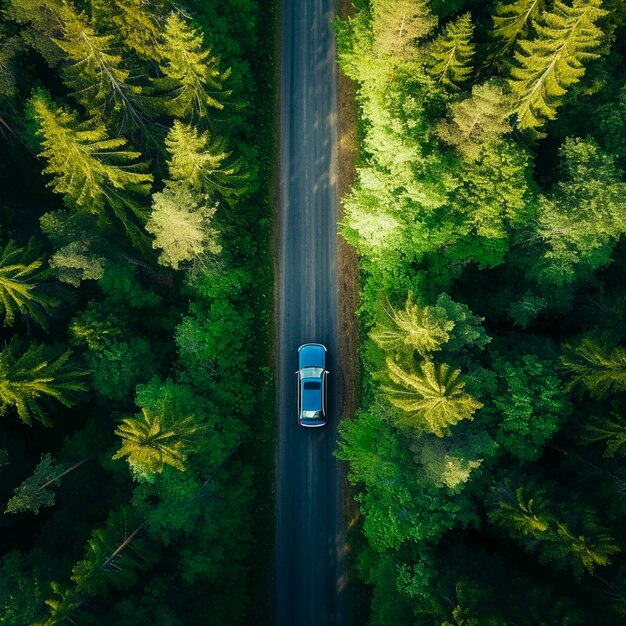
310 573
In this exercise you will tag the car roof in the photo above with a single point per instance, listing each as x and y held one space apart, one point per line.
312 355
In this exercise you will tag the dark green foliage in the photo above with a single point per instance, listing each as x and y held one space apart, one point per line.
532 403
81 82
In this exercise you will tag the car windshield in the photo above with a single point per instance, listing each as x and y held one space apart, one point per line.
311 372
311 414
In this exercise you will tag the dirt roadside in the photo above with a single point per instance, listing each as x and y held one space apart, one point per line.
347 261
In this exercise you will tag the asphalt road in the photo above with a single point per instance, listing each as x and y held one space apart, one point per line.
310 570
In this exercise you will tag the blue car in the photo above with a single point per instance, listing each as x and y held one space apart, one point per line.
312 385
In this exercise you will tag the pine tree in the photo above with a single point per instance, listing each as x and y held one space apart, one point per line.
90 169
42 23
192 78
34 375
95 69
199 159
553 60
414 328
10 47
398 25
511 19
135 23
482 118
180 222
452 53
111 556
20 276
33 494
609 430
151 441
433 397
592 362
566 535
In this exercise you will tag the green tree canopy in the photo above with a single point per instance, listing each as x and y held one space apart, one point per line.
200 160
596 364
452 53
180 222
547 64
29 377
433 397
21 275
152 440
34 493
90 169
398 26
512 19
476 120
192 77
413 328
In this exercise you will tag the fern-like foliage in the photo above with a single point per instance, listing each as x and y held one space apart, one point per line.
601 369
152 441
608 430
93 171
511 19
30 377
452 53
553 60
21 275
433 397
413 328
192 79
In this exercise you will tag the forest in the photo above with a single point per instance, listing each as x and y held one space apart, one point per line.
488 213
135 277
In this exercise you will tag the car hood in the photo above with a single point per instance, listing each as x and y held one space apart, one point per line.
312 356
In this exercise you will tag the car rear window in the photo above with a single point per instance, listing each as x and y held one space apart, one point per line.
311 385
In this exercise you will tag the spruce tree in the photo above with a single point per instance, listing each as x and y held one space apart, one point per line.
199 159
553 60
610 430
34 493
93 171
433 397
95 70
21 274
595 364
192 80
37 374
451 55
414 328
512 19
153 440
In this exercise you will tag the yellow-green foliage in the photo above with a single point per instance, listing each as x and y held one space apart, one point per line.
28 378
19 288
153 440
190 70
433 397
553 59
451 55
